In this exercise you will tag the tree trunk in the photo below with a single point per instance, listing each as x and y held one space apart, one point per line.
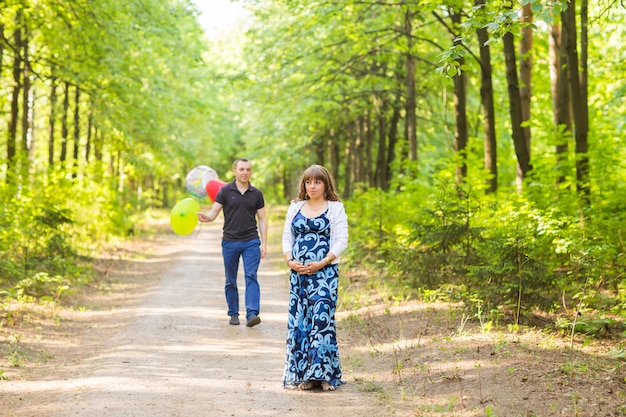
98 145
460 107
358 150
380 175
15 106
576 82
584 54
333 155
582 144
165 185
515 105
118 172
367 149
560 101
348 165
1 45
393 139
76 132
89 133
27 112
411 99
64 131
319 146
526 63
489 118
52 121
31 138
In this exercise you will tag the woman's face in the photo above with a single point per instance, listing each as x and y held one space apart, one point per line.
314 188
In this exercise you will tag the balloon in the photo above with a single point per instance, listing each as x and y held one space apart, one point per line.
197 179
208 175
183 216
212 187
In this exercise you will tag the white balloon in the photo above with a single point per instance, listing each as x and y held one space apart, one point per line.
197 179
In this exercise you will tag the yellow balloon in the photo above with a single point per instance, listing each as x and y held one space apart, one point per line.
183 216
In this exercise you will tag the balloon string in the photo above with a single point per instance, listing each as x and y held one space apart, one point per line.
198 232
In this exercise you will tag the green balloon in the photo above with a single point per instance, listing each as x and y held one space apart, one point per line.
183 216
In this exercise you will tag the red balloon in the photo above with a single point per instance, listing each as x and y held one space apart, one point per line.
212 187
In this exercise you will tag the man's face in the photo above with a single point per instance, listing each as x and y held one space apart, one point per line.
243 171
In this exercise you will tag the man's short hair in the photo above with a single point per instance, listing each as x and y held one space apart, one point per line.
239 160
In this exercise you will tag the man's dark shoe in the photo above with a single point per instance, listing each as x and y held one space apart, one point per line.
253 321
234 320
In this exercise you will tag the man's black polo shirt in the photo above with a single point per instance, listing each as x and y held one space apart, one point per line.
240 211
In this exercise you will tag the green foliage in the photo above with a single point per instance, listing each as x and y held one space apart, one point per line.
127 101
32 236
513 256
314 68
45 236
597 327
39 287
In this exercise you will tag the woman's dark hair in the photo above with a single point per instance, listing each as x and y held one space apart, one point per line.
318 172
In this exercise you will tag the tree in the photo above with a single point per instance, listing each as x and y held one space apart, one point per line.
560 99
12 147
461 136
515 105
486 98
526 67
578 84
411 100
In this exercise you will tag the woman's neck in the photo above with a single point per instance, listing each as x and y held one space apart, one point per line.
318 202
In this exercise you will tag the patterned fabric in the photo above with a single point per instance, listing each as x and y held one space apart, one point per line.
311 353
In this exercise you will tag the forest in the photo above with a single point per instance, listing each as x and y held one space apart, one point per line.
478 147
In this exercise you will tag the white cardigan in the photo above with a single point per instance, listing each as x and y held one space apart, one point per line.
338 227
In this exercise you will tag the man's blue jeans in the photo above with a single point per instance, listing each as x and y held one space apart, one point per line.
250 252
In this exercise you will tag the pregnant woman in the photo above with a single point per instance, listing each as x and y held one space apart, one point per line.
314 236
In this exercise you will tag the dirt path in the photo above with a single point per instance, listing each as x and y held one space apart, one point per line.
173 353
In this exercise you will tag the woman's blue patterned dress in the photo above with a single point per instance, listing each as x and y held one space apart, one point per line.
311 335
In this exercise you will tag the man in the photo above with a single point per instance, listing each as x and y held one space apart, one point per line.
242 204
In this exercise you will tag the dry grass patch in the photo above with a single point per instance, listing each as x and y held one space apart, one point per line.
429 360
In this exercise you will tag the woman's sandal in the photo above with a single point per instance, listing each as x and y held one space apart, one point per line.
306 385
326 386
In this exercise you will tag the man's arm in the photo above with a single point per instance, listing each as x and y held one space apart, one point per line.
211 215
262 230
